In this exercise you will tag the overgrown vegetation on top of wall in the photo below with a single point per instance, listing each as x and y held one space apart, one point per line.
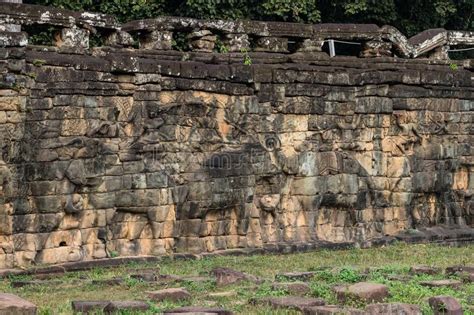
410 16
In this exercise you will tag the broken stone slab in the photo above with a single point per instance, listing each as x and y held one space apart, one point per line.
293 288
145 277
159 40
86 265
73 37
226 276
364 291
13 39
467 277
295 276
427 270
4 273
311 45
171 294
199 34
458 269
12 304
169 278
272 44
375 48
202 40
196 310
26 14
88 306
236 42
202 45
119 39
393 309
442 283
292 302
331 310
445 305
117 306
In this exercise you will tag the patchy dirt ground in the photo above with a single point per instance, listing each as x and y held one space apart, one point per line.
249 290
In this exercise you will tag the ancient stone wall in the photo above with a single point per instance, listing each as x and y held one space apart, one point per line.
123 151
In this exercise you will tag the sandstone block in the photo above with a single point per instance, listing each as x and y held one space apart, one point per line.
331 310
226 276
291 302
393 309
417 270
459 269
365 291
88 306
442 283
199 310
12 304
445 305
172 294
122 306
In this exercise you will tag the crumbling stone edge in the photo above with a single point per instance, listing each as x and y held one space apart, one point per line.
448 237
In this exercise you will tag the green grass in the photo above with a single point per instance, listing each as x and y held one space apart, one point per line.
331 267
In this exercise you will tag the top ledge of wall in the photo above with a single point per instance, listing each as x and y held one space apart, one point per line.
28 14
235 36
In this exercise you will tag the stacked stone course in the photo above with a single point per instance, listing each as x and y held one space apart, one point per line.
118 151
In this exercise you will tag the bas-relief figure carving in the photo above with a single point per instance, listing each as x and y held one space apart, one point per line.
123 152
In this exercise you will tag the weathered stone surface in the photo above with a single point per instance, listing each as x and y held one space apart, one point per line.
291 302
365 291
467 277
418 270
272 44
442 283
271 146
131 306
331 310
12 304
160 40
171 294
236 42
445 305
120 39
89 306
146 276
393 309
73 37
376 49
198 310
226 276
459 269
13 39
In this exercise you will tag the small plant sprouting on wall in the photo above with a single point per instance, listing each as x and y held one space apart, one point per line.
453 66
247 59
221 47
